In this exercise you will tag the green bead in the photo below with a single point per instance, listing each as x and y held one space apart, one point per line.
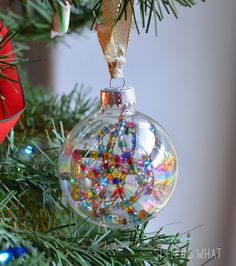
121 144
126 130
109 170
84 152
133 169
94 191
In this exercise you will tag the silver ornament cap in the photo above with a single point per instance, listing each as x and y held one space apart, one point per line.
118 97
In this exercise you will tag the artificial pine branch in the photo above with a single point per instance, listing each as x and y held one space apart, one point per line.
69 109
35 21
34 213
5 61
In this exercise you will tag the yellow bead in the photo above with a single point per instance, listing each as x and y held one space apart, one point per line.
94 154
90 194
90 174
102 133
116 172
75 193
122 175
132 199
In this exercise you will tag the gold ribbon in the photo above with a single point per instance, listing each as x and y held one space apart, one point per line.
114 35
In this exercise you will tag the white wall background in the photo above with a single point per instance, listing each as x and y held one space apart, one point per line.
184 78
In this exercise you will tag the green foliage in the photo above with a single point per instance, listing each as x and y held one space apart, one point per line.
68 109
34 17
33 20
34 213
5 61
150 10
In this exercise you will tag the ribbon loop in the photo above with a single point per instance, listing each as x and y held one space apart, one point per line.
114 34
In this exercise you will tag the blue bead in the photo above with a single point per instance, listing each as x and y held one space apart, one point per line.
98 168
120 133
153 129
168 174
109 218
107 204
126 155
103 181
81 198
116 180
101 148
116 133
117 207
106 129
126 203
86 203
146 163
132 219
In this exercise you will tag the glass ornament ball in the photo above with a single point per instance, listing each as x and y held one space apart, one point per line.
118 167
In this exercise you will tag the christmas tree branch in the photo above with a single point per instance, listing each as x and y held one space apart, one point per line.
68 108
6 59
34 20
37 16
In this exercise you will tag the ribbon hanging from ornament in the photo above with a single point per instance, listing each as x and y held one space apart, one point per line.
61 18
113 34
12 102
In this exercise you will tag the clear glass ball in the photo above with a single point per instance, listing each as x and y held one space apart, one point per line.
118 167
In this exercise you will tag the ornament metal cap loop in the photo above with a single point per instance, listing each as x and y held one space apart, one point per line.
118 97
123 83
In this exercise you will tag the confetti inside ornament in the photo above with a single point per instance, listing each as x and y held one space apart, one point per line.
118 167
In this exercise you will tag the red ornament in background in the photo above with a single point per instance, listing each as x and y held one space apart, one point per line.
12 102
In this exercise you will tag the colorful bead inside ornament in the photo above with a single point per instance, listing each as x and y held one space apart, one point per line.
121 170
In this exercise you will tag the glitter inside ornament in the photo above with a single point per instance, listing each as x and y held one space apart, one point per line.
118 167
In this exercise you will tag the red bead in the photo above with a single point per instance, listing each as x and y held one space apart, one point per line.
142 214
115 192
131 210
130 160
106 165
118 191
83 167
117 159
76 155
95 172
121 190
84 195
